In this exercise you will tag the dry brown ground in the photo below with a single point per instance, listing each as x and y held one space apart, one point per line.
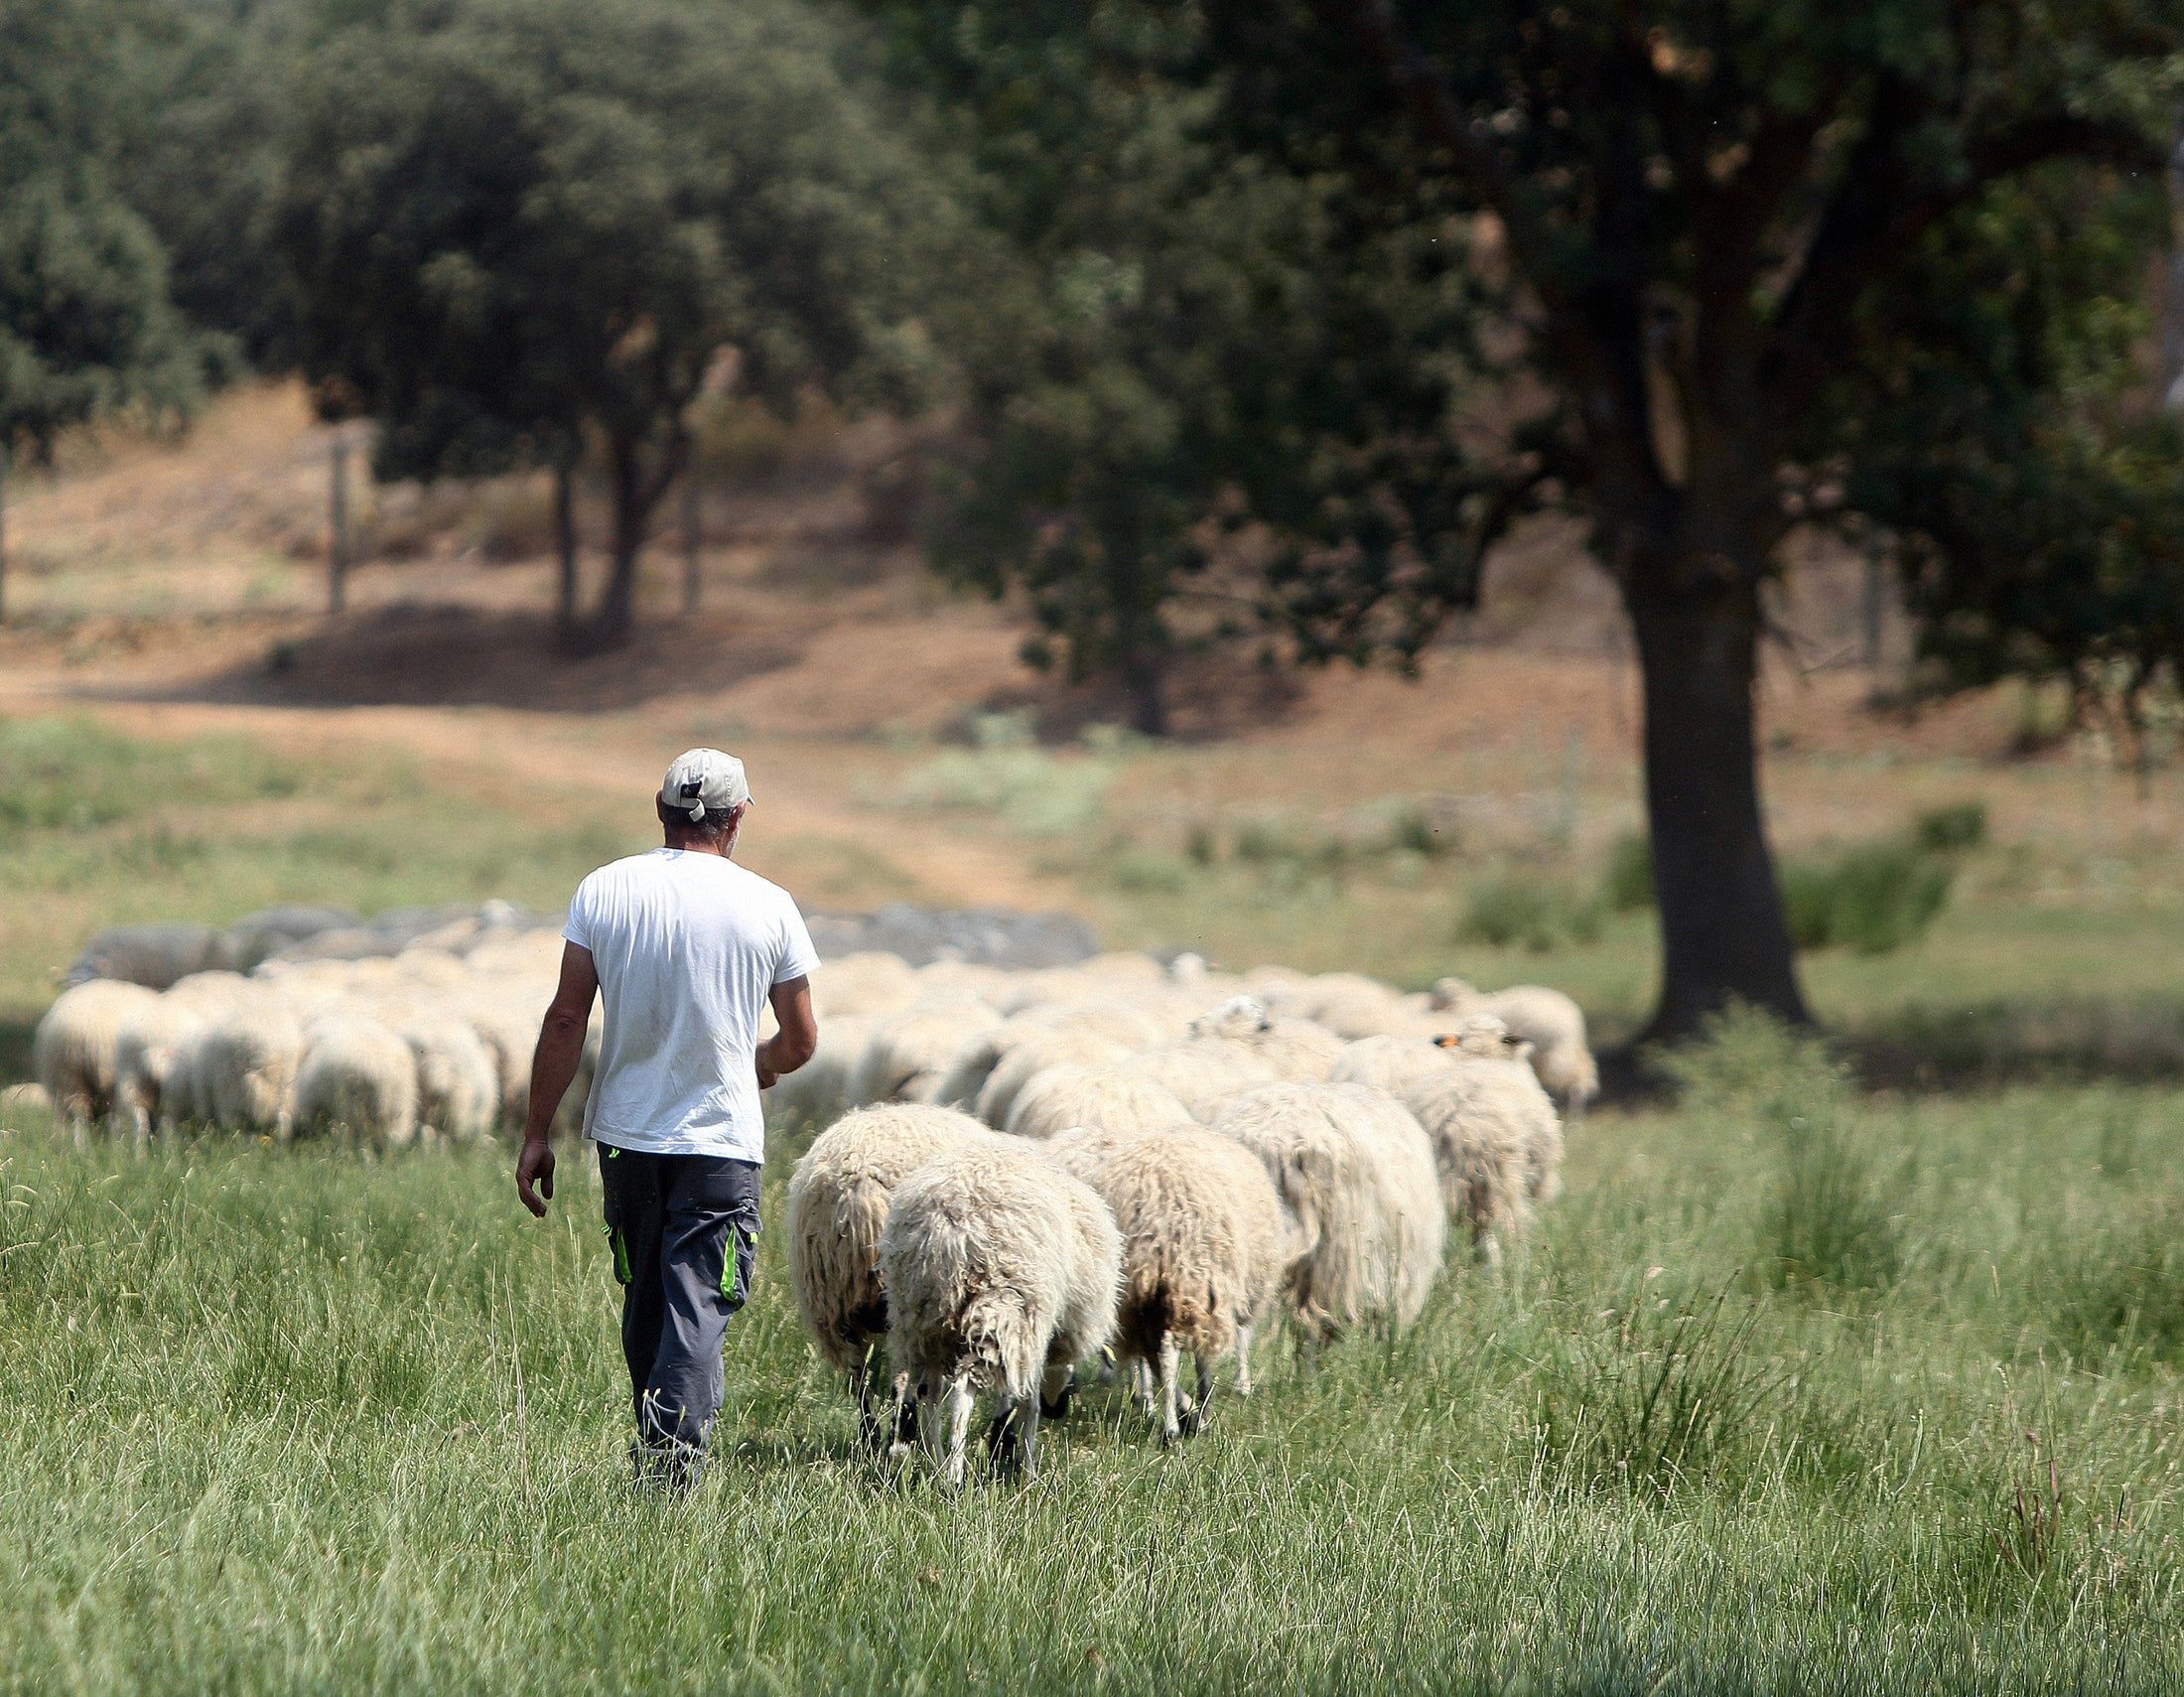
173 587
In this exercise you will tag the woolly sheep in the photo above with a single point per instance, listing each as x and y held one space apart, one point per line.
1205 1246
1399 1066
1553 1023
1357 1175
458 1084
1483 1120
357 1077
1032 1054
1105 1097
241 1071
1105 1030
1204 1076
1495 1067
837 1204
73 1050
1002 1272
149 1050
1296 1050
909 1053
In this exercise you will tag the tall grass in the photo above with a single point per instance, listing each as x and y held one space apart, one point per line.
283 1419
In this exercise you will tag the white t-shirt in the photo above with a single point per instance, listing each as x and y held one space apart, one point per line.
687 948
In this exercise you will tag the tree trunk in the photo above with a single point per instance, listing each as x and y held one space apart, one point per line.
3 533
618 605
1724 936
692 541
565 553
336 559
1144 677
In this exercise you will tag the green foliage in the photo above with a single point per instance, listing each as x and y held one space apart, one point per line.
517 227
86 328
1006 775
1953 828
1874 898
1517 910
1626 885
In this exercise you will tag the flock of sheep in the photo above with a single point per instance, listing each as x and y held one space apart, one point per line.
1152 1161
1022 1168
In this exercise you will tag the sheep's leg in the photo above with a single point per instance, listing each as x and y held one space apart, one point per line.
1164 1377
1143 1381
906 1413
1487 1247
1057 1387
946 1440
1243 1360
1196 1408
1013 1439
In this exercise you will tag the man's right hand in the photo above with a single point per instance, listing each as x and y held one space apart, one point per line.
535 1166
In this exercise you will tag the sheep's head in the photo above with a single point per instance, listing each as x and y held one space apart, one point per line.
1238 1017
1482 1036
1189 968
1452 995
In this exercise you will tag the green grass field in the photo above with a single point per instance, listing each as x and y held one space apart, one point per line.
1799 1389
1773 1407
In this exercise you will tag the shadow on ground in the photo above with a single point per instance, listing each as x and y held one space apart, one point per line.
444 654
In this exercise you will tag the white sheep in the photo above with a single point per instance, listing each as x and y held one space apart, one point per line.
149 1052
1072 1030
239 1071
359 1077
1102 1096
1205 1246
1494 1066
1204 1077
1357 1175
820 1088
1032 1054
458 1082
1396 1064
1553 1023
73 1050
1296 1050
1485 1120
837 1204
909 1053
1002 1273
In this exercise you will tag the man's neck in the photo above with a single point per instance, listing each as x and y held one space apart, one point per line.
725 850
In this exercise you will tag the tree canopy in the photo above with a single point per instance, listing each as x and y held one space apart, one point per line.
530 225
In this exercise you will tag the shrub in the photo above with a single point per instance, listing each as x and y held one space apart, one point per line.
1950 831
1005 772
1414 830
1873 899
1508 911
1627 885
1662 1396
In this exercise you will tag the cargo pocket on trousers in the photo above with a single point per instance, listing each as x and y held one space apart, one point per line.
740 1263
617 1245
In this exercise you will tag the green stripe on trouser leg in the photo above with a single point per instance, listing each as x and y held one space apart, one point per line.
739 1265
621 1246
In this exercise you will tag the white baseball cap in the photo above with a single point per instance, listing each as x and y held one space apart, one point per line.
706 785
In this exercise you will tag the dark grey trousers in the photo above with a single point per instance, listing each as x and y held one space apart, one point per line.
684 1232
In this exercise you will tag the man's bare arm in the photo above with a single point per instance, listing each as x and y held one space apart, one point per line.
791 1045
554 1063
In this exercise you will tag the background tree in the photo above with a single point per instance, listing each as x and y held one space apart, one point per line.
526 227
86 328
1167 338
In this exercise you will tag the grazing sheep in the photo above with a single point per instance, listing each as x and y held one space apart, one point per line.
1204 1248
18 1101
507 1026
459 1086
1481 1119
909 1053
73 1050
1204 1077
1398 1064
837 1204
1358 1174
1495 1067
356 1076
241 1071
1553 1023
1298 1051
148 1053
1032 1054
1104 1097
1002 1273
